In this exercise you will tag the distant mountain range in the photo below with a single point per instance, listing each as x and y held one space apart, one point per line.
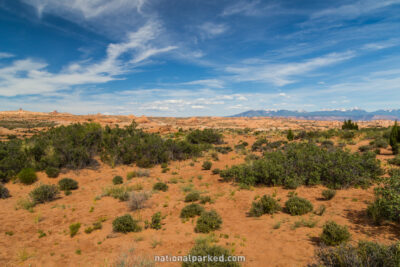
337 114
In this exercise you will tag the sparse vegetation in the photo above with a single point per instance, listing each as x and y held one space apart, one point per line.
125 224
207 165
206 136
137 200
191 211
52 172
363 254
334 234
208 221
266 205
156 221
387 201
203 248
298 206
160 187
74 229
328 194
44 193
120 192
27 176
192 197
117 180
68 184
4 193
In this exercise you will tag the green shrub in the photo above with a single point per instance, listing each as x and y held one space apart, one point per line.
68 184
349 125
74 229
298 206
125 224
307 164
206 136
208 221
44 193
223 149
381 143
205 199
156 221
191 211
4 193
334 234
117 180
27 176
203 249
52 172
160 187
364 148
328 194
206 165
192 197
130 175
216 171
364 254
266 205
290 135
395 160
387 200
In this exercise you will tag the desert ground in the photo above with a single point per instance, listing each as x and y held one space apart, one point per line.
269 240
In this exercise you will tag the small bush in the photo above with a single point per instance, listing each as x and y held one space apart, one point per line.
130 175
142 173
203 249
298 206
266 205
206 136
191 211
205 199
117 180
156 221
364 254
160 187
208 221
4 193
27 176
334 234
328 194
206 165
364 148
192 197
137 200
118 192
67 184
74 229
216 171
44 193
125 224
52 172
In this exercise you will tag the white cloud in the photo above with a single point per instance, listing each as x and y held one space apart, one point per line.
354 10
281 74
242 7
198 107
213 83
88 8
5 55
210 29
30 76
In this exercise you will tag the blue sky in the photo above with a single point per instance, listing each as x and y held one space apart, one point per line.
198 57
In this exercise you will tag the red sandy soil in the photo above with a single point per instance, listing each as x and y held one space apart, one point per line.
254 238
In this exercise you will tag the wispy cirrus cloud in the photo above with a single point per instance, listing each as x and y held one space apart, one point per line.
283 74
212 83
354 10
29 76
